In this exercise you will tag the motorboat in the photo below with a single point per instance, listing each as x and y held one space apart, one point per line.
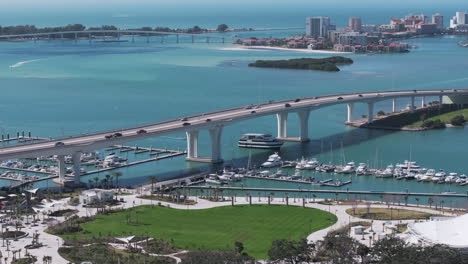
301 164
273 161
289 164
452 177
387 173
408 165
297 175
311 164
349 168
361 169
262 141
327 168
213 179
461 179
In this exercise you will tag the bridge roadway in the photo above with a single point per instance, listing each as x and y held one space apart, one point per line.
120 31
214 122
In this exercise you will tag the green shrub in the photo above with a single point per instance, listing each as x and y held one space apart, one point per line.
458 120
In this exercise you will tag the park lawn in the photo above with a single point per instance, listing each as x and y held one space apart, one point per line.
256 226
445 118
389 214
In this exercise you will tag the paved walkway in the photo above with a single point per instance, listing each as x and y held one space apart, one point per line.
53 242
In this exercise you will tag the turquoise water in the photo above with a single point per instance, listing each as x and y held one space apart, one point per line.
66 88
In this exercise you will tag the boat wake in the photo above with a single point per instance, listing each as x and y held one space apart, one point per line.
21 63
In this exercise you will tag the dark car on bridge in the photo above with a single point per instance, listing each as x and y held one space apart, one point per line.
59 144
117 134
208 120
253 112
297 100
287 105
141 131
360 95
109 136
186 124
340 98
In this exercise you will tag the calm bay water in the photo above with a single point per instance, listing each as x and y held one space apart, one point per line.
65 88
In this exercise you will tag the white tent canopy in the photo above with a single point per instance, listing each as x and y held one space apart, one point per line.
452 232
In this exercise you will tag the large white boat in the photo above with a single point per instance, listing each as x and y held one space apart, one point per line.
349 168
273 161
263 141
311 164
361 169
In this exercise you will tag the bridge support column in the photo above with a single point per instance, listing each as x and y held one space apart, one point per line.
215 135
223 40
192 144
193 39
350 112
147 38
207 40
76 158
61 167
177 38
76 37
304 125
394 105
162 39
370 112
440 101
423 101
282 125
411 108
133 38
89 38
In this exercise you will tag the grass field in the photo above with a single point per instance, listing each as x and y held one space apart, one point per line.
445 118
218 228
388 214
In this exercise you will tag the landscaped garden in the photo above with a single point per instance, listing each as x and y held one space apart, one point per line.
256 226
388 213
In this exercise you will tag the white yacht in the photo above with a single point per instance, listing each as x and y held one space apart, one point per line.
301 164
349 168
263 141
361 169
112 161
273 161
408 165
461 179
297 175
311 164
452 177
214 179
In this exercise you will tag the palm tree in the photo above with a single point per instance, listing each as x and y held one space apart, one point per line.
417 201
116 175
430 201
153 180
96 179
107 180
314 196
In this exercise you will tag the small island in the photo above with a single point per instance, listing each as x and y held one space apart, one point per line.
324 64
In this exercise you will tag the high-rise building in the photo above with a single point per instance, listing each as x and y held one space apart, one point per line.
438 19
355 24
317 26
461 17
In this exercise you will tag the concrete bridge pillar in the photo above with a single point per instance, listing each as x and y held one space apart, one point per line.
304 125
215 135
147 38
440 101
350 112
192 144
393 105
412 104
282 124
89 37
76 37
61 167
223 40
423 101
177 36
193 39
133 38
76 158
370 112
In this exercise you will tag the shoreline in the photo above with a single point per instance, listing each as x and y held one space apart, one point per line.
266 48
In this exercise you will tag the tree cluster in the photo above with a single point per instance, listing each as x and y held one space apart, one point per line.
325 64
339 248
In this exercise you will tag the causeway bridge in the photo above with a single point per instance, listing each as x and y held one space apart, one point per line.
214 122
90 34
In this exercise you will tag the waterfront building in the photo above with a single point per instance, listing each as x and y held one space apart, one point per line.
426 28
352 38
369 28
318 27
438 19
355 24
94 196
461 17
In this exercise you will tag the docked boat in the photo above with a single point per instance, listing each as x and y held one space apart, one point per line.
262 141
452 177
387 173
301 164
311 164
461 179
361 169
349 168
213 179
273 161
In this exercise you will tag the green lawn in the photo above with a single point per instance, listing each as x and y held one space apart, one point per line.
218 228
445 118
